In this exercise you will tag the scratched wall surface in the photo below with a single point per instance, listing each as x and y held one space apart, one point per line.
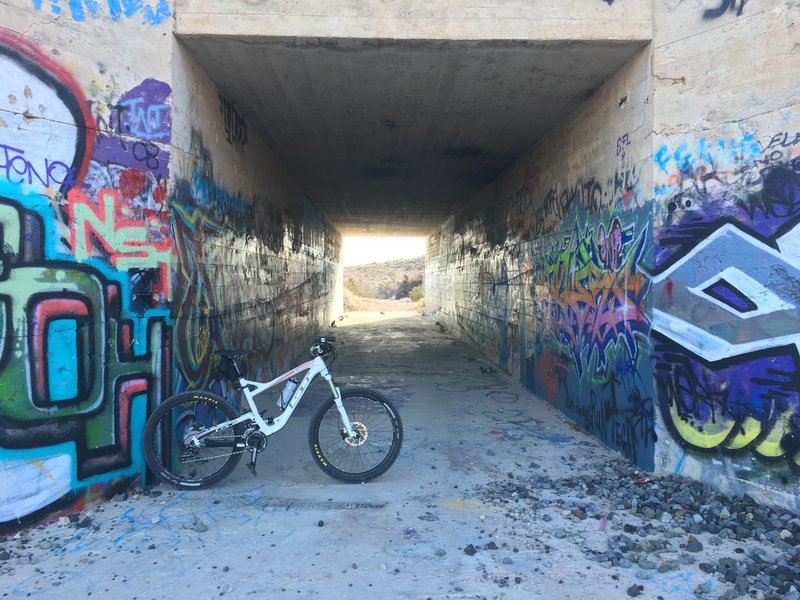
725 281
129 250
542 269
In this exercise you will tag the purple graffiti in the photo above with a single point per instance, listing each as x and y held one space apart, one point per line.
609 246
136 129
695 212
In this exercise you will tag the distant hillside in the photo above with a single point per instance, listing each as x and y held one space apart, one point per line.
391 279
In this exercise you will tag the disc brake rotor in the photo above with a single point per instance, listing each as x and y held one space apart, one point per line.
361 438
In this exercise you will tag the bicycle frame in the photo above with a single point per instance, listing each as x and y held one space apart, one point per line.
314 367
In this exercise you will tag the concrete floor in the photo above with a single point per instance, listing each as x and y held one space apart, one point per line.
292 532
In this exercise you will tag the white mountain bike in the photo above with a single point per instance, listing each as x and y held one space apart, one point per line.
196 438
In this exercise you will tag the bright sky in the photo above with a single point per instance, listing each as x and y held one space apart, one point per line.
363 250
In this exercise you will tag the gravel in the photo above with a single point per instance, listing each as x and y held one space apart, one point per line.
658 524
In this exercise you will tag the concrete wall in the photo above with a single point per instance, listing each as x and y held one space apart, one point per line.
726 280
256 264
541 271
143 227
639 268
419 19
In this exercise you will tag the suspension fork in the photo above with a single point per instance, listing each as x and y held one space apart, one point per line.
337 399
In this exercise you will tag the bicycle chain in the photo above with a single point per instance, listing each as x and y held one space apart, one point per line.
199 459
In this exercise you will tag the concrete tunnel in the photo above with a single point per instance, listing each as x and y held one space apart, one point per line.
609 190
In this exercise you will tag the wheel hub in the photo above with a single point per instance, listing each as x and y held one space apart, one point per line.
362 433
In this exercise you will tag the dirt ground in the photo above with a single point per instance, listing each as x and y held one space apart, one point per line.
360 310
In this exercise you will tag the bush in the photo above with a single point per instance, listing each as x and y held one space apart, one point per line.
417 293
352 285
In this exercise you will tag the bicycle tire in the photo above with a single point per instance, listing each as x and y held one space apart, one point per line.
369 455
189 467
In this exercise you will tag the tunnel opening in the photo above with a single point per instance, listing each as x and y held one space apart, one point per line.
383 275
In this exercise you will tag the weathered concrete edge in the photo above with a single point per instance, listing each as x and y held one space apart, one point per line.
261 25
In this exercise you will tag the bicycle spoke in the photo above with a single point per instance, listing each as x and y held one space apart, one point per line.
371 451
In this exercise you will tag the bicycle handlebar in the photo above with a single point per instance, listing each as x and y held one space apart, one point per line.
323 346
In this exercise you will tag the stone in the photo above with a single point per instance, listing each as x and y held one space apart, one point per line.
701 590
693 544
635 590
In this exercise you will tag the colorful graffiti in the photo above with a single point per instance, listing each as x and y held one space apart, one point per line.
116 10
83 277
726 293
590 356
566 310
235 289
592 294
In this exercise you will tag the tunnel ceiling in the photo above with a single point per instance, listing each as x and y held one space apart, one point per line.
392 137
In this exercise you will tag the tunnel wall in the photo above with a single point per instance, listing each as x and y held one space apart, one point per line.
541 270
725 286
655 301
142 229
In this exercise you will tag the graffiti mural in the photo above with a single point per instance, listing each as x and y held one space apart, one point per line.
590 352
593 296
235 289
555 296
83 284
726 291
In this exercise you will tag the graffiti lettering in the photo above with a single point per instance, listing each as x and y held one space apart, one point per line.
609 246
724 6
778 197
235 124
722 154
710 408
554 208
590 307
783 140
117 9
128 243
18 169
132 128
146 121
622 142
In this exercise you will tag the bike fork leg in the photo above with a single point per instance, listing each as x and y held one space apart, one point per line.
337 399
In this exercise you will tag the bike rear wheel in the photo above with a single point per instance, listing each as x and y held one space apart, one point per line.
369 454
166 434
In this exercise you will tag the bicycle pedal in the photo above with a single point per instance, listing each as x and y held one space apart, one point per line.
252 467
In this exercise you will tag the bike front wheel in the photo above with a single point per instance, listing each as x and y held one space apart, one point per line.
167 440
368 454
